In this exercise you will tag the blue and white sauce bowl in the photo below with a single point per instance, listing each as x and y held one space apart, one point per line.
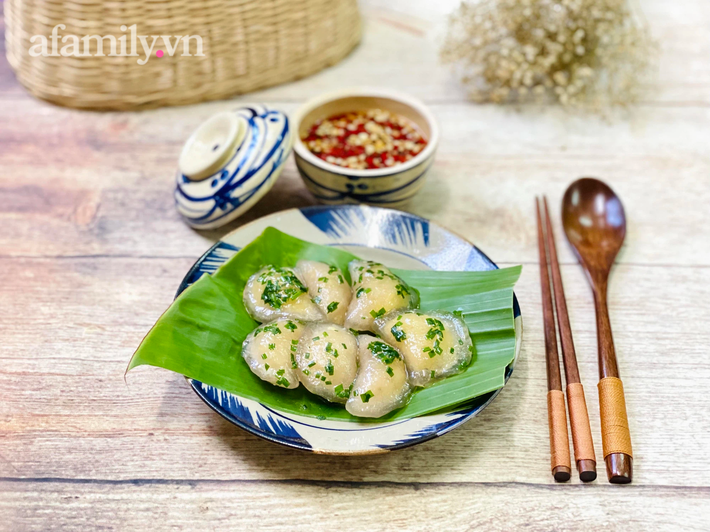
229 163
393 186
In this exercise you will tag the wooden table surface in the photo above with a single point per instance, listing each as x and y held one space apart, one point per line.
92 250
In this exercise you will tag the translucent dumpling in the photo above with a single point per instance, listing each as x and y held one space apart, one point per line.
327 287
270 350
376 291
278 293
381 383
327 361
434 344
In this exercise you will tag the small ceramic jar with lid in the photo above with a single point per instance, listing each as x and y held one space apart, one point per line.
229 163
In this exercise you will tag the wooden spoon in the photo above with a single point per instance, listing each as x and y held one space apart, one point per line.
595 224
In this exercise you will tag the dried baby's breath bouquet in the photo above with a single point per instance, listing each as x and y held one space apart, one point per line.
577 52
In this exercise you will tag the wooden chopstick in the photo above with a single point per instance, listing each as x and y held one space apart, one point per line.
556 413
578 416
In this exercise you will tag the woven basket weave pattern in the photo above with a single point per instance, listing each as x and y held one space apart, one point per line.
247 45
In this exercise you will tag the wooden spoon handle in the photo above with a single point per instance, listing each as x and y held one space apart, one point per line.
605 340
616 438
615 425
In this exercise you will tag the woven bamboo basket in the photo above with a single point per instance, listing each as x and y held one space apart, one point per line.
246 45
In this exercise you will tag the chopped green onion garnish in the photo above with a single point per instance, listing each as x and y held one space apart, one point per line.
379 313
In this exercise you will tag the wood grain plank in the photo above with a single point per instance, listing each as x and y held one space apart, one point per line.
70 325
102 184
92 250
195 505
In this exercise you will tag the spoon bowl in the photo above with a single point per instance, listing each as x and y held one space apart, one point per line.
595 224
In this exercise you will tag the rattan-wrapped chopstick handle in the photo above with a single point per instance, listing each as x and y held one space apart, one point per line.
559 440
616 437
579 421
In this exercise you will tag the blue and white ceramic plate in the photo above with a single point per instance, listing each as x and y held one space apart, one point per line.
392 237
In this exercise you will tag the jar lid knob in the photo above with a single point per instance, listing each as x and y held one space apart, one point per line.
210 146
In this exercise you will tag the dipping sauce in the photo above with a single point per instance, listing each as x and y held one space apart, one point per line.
365 140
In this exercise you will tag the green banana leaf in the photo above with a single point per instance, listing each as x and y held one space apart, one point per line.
201 333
